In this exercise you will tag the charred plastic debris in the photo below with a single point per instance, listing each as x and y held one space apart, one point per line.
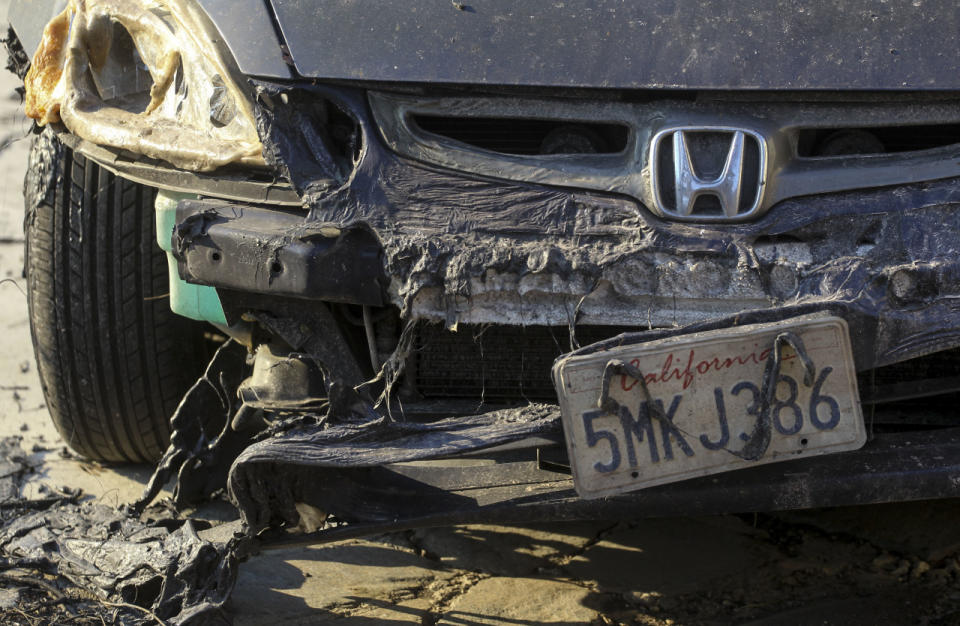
69 561
396 312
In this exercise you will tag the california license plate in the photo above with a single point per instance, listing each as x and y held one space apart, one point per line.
703 410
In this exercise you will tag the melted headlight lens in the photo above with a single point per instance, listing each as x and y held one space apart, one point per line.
142 75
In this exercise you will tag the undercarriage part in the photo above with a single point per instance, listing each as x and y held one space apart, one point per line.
281 381
313 330
892 467
242 332
309 459
371 335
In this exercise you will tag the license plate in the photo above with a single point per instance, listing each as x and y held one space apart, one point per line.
705 392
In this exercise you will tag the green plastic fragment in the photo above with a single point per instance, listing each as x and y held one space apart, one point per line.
198 302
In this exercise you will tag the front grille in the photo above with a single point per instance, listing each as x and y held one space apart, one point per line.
527 136
496 363
792 148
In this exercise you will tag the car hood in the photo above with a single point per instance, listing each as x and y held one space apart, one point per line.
655 44
736 44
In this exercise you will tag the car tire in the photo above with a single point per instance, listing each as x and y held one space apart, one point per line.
114 360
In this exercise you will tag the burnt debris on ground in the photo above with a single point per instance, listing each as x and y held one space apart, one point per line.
63 560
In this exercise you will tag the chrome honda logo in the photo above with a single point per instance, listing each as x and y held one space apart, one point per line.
708 173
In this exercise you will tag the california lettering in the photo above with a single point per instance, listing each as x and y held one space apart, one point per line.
685 370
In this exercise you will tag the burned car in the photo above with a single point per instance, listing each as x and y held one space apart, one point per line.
627 260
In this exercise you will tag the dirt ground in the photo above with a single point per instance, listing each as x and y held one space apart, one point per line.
889 564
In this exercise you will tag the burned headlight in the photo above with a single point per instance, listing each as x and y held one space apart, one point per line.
143 75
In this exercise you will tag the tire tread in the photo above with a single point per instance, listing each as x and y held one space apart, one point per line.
113 359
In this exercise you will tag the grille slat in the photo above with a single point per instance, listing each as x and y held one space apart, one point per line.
837 142
523 136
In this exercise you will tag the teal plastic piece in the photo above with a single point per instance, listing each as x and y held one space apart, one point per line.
198 302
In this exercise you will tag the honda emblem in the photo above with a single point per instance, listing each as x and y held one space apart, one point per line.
708 173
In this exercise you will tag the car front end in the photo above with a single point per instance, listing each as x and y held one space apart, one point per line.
404 215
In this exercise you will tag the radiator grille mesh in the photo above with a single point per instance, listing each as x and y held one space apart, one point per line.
512 363
497 363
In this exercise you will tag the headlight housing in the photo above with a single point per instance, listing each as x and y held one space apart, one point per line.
145 76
